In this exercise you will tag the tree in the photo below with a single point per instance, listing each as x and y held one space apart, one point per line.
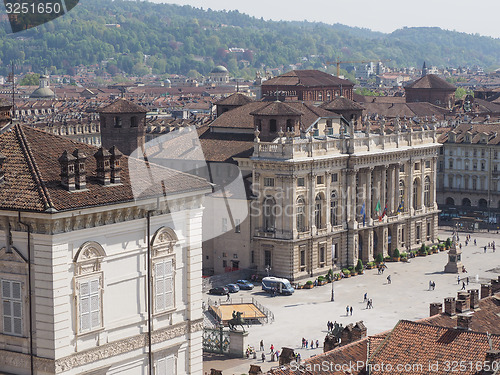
30 80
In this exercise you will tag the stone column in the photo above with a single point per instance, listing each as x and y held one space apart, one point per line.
409 188
351 196
422 181
368 202
434 181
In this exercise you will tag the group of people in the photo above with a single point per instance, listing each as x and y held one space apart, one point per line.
309 344
274 354
369 301
348 309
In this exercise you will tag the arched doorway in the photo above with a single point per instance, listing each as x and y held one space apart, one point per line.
482 203
450 201
466 202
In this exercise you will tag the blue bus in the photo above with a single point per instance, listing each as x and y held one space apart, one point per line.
275 284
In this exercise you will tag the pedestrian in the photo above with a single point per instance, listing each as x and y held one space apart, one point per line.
366 297
430 284
463 285
458 280
389 279
475 242
227 294
261 345
328 326
371 303
347 310
272 357
351 310
277 355
303 343
312 344
306 344
272 348
317 344
433 285
467 279
263 356
368 304
485 249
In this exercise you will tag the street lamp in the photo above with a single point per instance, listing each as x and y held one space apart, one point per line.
268 268
333 290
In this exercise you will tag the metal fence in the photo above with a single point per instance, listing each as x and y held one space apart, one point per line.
215 340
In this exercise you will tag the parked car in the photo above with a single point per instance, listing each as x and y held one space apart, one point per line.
233 288
244 284
220 290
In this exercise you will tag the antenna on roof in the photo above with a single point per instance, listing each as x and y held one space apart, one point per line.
12 79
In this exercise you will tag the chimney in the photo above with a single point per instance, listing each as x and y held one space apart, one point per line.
80 173
464 321
436 308
67 163
463 302
495 285
492 356
450 306
2 171
359 331
103 157
474 298
485 290
115 164
287 355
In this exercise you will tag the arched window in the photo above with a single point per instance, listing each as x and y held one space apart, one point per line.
301 214
318 211
269 214
466 202
450 201
483 203
333 208
289 125
401 195
272 126
427 191
416 189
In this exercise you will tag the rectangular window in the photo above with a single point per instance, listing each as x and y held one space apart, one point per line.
483 166
165 366
224 263
89 304
237 228
164 285
418 233
302 260
427 164
235 256
401 168
268 181
322 256
450 164
428 231
335 177
12 308
482 153
320 180
301 181
252 257
224 224
224 255
267 258
417 166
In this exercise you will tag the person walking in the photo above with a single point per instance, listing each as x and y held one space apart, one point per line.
366 297
458 280
347 310
228 296
261 345
463 285
263 357
389 279
467 279
272 348
351 310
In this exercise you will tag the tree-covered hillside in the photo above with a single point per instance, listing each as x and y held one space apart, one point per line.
164 38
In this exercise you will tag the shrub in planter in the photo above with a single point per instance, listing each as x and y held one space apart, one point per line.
448 242
387 259
395 255
379 258
422 250
336 276
359 266
403 255
370 265
309 285
442 247
346 272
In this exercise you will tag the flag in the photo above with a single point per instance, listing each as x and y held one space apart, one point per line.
400 207
362 212
385 211
377 207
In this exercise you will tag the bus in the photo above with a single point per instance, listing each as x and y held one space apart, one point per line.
281 286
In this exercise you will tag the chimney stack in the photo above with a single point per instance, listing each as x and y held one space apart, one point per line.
115 164
436 308
80 173
2 171
495 285
103 157
463 302
464 321
485 290
67 163
474 298
450 306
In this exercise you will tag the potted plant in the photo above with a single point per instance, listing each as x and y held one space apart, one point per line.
309 285
321 280
434 249
387 258
379 258
442 247
352 270
448 243
403 257
336 276
422 252
396 255
346 272
359 267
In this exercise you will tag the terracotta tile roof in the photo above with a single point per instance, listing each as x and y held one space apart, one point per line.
123 106
235 99
416 344
32 181
392 110
484 319
431 81
307 78
341 103
491 130
276 108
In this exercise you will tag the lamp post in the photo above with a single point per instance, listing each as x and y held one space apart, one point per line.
333 281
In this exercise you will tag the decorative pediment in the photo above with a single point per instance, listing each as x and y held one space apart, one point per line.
88 258
163 241
12 261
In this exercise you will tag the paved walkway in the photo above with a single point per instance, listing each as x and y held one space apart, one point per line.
306 312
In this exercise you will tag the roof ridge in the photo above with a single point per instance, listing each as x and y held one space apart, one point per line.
33 167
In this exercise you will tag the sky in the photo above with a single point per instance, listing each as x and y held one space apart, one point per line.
480 16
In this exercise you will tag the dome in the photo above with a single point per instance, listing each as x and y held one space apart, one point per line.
42 92
219 69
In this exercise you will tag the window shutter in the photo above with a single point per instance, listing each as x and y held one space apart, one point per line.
159 286
12 307
95 304
84 305
169 284
90 305
7 317
6 289
161 367
170 365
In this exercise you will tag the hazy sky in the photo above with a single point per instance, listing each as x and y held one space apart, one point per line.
480 16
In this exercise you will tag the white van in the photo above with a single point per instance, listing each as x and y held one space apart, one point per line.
275 284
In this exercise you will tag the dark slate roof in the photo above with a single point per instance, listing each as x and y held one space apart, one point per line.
492 131
235 99
392 110
276 109
431 81
341 103
307 78
122 106
32 181
222 147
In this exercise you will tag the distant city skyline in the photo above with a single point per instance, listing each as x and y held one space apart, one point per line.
384 16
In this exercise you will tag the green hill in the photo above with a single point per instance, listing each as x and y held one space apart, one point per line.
165 38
